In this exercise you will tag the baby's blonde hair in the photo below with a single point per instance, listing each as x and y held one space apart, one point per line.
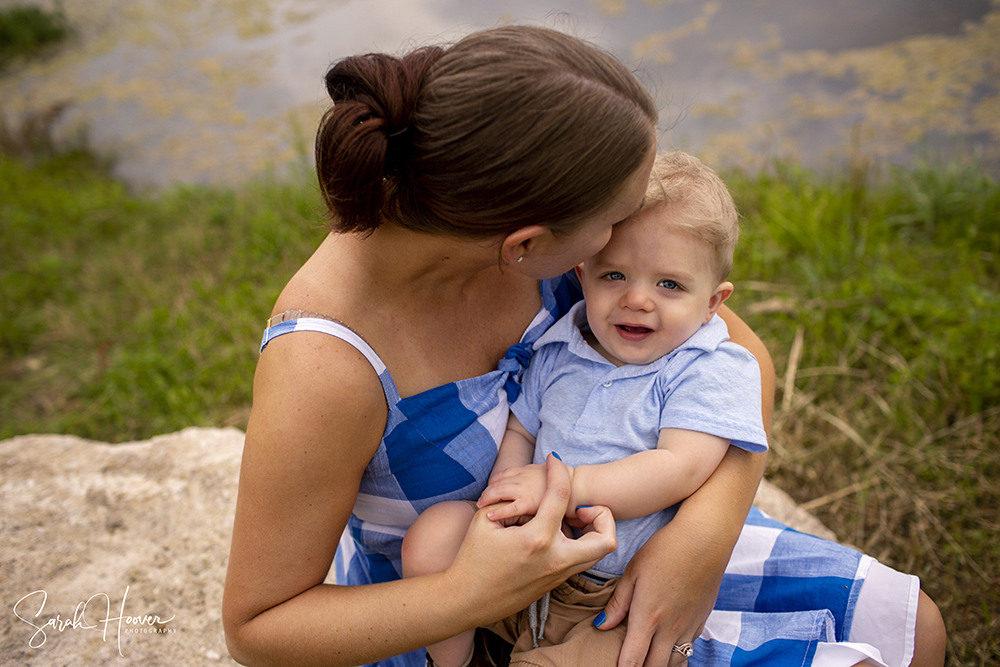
696 200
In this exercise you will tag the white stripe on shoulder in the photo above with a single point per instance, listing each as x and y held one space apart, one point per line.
342 332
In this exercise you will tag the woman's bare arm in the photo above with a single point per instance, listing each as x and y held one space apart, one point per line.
671 583
318 415
741 334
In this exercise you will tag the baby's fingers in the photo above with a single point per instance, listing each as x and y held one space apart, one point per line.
503 511
493 494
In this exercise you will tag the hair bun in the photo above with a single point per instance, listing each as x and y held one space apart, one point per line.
374 98
387 86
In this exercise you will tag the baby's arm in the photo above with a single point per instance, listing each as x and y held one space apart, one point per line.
649 481
634 486
514 480
517 448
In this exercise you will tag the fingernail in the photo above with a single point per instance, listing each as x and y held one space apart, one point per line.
580 507
599 621
556 454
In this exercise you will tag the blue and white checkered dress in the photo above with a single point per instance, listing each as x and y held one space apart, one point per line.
784 594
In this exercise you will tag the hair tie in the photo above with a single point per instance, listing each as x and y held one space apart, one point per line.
399 132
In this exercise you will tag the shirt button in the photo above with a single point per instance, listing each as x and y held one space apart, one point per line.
608 383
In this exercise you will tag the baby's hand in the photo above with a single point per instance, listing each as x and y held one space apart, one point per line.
522 488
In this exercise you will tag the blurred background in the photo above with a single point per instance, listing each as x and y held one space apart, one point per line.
218 90
156 193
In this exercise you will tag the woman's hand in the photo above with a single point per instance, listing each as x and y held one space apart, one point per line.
670 585
524 562
667 592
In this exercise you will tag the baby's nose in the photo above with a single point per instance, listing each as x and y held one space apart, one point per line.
636 298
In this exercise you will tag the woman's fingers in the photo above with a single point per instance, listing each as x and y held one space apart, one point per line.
513 566
599 522
618 606
646 645
598 542
661 612
552 507
639 647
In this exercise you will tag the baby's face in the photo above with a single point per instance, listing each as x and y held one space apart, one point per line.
649 289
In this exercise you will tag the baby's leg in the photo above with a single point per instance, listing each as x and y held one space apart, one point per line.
430 545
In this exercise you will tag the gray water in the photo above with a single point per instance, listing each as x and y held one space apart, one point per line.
216 91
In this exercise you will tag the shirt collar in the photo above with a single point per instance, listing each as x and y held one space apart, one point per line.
567 330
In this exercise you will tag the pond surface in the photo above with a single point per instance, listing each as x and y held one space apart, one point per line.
216 91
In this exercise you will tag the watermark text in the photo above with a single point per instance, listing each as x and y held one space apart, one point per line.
92 614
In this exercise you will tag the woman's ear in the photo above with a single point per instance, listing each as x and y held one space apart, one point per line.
519 243
719 296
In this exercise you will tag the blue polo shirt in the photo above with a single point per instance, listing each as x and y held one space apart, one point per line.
577 403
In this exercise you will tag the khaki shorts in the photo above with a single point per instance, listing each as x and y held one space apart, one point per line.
570 637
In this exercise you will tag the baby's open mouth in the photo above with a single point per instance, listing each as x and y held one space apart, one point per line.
635 330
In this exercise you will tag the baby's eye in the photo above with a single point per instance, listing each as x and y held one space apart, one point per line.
614 275
668 284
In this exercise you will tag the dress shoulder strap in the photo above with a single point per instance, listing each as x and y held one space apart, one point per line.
298 320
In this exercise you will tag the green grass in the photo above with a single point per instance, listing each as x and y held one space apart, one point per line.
124 316
880 305
26 31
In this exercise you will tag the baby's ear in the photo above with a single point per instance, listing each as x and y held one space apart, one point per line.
579 272
719 296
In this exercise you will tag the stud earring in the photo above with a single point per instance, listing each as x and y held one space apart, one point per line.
520 258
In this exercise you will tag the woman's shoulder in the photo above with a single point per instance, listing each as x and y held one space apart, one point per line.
324 357
321 358
315 388
308 289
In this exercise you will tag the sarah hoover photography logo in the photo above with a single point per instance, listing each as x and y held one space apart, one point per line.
93 614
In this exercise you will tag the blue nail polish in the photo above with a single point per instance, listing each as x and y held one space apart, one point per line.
580 507
599 621
556 454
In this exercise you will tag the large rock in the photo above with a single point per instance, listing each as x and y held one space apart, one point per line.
140 532
84 519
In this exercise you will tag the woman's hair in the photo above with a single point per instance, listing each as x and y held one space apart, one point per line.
506 128
696 200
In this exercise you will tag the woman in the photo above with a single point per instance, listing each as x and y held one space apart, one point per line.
462 184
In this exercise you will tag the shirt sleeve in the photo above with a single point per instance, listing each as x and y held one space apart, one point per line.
718 393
